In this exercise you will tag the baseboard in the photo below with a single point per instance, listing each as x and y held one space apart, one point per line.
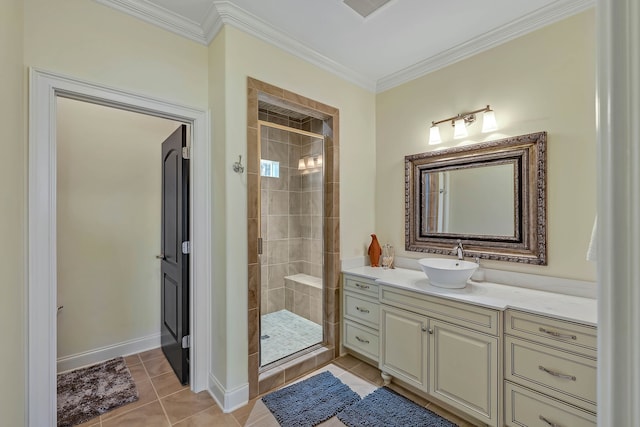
228 400
101 354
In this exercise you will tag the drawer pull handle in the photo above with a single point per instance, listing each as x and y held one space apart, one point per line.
558 334
361 340
549 422
362 310
361 286
557 374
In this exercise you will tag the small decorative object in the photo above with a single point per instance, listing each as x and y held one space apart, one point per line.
478 275
387 256
374 251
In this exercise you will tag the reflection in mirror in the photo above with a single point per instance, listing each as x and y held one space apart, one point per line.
477 200
491 196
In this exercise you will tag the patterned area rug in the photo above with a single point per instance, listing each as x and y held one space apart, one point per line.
88 392
311 401
386 408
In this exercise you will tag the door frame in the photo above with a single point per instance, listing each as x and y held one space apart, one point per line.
41 311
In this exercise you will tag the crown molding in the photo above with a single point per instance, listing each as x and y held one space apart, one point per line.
226 13
251 24
212 24
161 17
528 23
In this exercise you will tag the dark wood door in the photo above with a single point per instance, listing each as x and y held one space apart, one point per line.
175 254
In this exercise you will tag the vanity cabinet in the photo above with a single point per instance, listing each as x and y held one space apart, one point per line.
404 346
361 314
471 351
446 359
463 370
550 371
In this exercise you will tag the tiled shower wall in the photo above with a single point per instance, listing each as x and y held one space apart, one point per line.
291 208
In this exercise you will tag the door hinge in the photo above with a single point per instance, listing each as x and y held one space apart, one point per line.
259 245
186 247
186 341
186 152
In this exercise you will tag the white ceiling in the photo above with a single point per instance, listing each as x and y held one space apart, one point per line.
402 40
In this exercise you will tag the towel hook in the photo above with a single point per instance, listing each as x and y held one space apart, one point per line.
237 166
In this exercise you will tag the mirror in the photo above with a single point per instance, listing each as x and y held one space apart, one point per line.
491 196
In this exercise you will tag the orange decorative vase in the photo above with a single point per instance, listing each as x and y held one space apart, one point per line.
374 251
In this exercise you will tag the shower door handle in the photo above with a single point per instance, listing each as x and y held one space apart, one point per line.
259 245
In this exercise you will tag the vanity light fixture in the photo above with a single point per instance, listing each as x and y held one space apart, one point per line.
310 162
459 129
460 123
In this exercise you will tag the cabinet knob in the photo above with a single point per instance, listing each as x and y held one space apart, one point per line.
425 329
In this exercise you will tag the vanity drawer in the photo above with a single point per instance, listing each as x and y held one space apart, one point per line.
560 374
524 407
470 316
361 309
361 339
361 285
555 332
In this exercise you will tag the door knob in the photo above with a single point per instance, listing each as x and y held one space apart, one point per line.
161 256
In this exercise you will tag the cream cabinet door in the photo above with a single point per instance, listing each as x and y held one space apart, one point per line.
403 346
464 370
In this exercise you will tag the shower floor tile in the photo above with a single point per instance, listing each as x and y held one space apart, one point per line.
283 333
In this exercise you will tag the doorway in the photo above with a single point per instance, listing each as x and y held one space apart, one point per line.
108 227
263 98
42 281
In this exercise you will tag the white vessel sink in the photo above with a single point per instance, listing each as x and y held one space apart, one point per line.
447 273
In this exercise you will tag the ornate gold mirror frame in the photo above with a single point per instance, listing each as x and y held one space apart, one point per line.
526 240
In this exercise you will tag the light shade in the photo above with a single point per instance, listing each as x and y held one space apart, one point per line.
434 135
310 163
460 129
489 121
301 164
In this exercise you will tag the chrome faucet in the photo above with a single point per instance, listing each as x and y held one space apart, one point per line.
459 250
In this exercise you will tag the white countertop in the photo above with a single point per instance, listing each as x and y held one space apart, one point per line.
488 294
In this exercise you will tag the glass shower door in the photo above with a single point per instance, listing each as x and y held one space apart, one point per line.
291 228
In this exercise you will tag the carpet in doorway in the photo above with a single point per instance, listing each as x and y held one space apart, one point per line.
309 402
386 408
88 392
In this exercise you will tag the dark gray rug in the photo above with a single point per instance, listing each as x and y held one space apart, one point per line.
386 408
88 392
311 401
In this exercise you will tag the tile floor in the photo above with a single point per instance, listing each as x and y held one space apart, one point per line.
164 402
284 333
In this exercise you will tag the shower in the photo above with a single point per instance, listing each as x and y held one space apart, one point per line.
291 233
